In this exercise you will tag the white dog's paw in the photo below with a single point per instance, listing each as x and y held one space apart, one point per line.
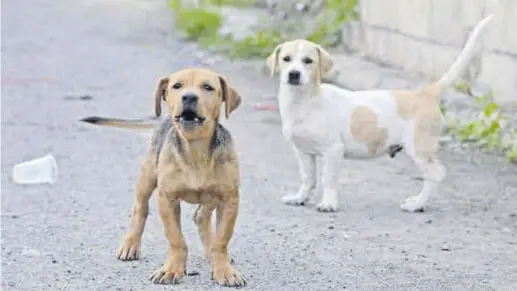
295 200
326 207
413 204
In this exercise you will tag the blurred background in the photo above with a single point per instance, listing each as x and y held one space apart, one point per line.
63 60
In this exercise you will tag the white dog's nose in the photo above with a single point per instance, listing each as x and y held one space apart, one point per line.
294 77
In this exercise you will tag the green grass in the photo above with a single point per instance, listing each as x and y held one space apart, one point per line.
203 23
489 130
337 13
198 23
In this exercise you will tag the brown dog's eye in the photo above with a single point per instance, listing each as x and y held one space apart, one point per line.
287 59
208 87
177 86
307 61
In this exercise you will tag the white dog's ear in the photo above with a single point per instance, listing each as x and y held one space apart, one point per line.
325 61
272 60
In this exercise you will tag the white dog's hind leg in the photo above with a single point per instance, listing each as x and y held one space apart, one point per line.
433 173
331 162
307 167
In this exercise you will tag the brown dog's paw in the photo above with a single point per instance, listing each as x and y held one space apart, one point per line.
129 250
228 276
168 275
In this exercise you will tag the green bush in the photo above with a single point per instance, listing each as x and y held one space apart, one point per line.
198 23
336 13
261 44
488 129
203 25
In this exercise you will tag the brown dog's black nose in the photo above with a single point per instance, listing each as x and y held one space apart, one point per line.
294 77
189 99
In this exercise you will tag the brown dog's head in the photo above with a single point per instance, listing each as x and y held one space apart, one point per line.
299 62
195 97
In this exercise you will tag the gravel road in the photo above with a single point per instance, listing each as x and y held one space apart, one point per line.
64 237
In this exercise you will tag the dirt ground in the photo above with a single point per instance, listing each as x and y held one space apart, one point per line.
64 237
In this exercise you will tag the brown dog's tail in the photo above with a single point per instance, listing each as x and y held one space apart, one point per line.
122 123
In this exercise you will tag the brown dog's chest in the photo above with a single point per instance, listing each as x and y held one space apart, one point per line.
200 186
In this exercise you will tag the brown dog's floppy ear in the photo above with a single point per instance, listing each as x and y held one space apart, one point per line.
325 61
231 98
159 94
272 60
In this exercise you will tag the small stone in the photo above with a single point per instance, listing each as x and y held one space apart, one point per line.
445 139
31 253
78 97
54 261
208 61
446 248
429 221
331 227
302 7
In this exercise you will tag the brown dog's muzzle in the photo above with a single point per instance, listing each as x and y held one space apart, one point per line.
189 116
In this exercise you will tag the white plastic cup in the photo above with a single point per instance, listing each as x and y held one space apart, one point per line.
38 171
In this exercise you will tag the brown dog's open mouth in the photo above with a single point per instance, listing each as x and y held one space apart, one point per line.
189 117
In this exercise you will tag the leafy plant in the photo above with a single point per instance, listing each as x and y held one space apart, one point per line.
336 13
198 23
488 129
203 25
464 87
261 44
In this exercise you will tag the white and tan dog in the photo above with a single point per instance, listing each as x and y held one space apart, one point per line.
327 122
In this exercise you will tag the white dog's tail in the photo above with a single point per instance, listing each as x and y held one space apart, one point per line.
462 62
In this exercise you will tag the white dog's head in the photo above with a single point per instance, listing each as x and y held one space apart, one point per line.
300 62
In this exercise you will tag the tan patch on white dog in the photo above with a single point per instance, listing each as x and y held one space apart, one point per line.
421 106
415 103
364 128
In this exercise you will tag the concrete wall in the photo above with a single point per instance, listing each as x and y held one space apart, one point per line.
425 36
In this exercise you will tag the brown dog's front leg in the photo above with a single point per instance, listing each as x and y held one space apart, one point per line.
222 271
130 247
203 219
174 267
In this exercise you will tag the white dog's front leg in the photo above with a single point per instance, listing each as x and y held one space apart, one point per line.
307 167
331 162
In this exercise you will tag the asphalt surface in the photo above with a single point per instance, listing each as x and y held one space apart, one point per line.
64 236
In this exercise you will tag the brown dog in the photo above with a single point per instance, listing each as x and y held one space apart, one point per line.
191 158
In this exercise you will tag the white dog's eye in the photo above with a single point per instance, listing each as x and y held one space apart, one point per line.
177 85
208 87
307 61
287 59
